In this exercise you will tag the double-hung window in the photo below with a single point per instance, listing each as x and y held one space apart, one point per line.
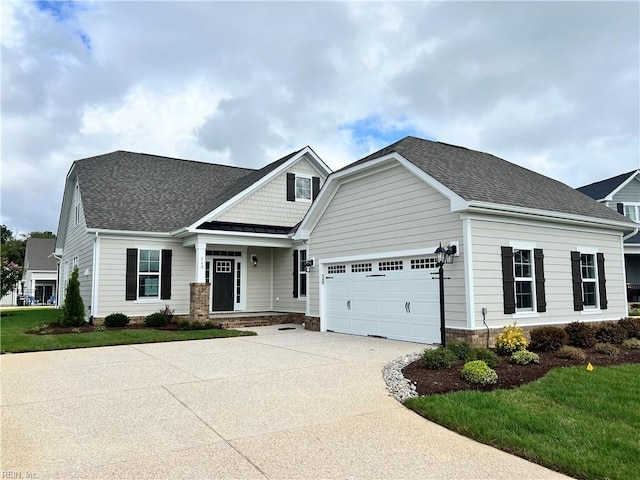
302 274
523 282
303 188
149 274
589 283
632 211
523 277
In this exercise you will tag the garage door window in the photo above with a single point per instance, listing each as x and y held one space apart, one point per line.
419 263
336 269
390 265
361 267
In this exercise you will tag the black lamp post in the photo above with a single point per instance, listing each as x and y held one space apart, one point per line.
443 256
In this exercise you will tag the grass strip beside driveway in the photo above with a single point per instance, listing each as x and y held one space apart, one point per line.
15 323
584 424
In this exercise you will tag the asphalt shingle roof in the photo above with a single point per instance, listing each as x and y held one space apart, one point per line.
142 192
481 177
601 189
38 254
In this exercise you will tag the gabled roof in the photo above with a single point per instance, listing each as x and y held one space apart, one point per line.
39 254
604 188
481 177
141 192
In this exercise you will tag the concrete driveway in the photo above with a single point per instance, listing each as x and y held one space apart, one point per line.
283 404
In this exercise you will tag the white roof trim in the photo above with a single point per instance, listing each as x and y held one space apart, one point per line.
322 168
622 185
336 179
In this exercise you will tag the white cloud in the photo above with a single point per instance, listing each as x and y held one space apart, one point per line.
553 86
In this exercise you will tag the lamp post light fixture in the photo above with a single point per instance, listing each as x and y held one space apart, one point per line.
443 255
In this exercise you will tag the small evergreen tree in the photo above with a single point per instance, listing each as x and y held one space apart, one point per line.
73 308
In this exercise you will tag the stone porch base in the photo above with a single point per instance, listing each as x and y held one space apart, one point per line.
238 320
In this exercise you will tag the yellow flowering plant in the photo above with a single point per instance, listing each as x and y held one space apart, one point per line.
511 340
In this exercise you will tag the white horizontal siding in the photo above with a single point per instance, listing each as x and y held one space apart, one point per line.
556 242
111 284
390 211
268 205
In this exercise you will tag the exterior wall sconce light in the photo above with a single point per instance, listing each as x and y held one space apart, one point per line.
443 255
254 260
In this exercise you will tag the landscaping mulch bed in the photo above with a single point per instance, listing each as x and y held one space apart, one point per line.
510 375
56 329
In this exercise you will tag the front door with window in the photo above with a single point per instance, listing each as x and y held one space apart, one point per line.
222 285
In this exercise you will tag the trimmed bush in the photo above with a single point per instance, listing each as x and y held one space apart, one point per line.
510 340
631 344
631 326
487 356
208 325
547 339
524 357
607 349
460 349
116 320
610 332
572 353
157 319
477 371
73 308
184 325
437 358
581 335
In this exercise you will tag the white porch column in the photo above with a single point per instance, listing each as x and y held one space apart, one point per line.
201 252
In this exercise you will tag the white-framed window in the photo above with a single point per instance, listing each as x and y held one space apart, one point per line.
632 211
524 280
148 273
589 274
303 187
302 273
76 206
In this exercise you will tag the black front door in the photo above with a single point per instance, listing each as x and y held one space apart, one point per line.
223 285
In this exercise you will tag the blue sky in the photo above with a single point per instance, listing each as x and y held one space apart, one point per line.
551 86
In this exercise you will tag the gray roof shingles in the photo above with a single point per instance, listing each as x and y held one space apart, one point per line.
141 192
39 254
481 177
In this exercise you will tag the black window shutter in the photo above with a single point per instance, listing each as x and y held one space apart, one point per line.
315 187
295 274
602 281
508 280
165 275
620 207
291 187
131 278
576 276
541 302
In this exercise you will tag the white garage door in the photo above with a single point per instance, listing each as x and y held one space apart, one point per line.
392 298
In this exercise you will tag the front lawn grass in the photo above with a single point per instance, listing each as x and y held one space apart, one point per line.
584 424
15 323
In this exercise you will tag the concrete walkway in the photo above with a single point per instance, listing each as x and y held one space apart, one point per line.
283 404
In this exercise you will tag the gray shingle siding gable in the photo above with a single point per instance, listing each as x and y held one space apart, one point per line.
141 192
481 177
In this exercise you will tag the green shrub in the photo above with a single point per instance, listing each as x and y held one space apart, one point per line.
631 326
581 335
184 325
547 339
73 308
157 319
487 356
99 328
208 325
437 358
572 353
607 349
631 344
477 371
524 357
610 332
116 320
511 339
460 349
196 325
634 312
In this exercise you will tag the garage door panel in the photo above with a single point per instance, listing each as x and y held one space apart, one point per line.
398 303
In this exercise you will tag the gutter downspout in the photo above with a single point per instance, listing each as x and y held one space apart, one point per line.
94 279
633 232
58 283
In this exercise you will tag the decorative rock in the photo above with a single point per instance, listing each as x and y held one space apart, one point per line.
399 387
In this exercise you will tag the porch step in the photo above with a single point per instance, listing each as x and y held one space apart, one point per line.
232 322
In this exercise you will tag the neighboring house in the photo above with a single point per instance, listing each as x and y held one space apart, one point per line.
622 193
40 271
147 231
529 249
208 239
